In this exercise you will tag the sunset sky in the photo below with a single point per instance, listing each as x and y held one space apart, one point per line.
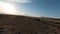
38 8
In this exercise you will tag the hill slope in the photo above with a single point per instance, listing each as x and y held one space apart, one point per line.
13 24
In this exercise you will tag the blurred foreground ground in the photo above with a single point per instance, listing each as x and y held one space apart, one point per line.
12 24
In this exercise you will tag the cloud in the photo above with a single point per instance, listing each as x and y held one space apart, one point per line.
8 8
19 1
11 7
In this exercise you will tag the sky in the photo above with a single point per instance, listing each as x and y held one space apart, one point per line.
37 8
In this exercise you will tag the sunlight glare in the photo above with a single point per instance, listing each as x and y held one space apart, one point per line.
8 8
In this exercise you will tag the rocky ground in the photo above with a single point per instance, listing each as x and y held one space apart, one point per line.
12 24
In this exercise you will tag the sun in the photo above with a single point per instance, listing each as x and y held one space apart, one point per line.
7 8
10 8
